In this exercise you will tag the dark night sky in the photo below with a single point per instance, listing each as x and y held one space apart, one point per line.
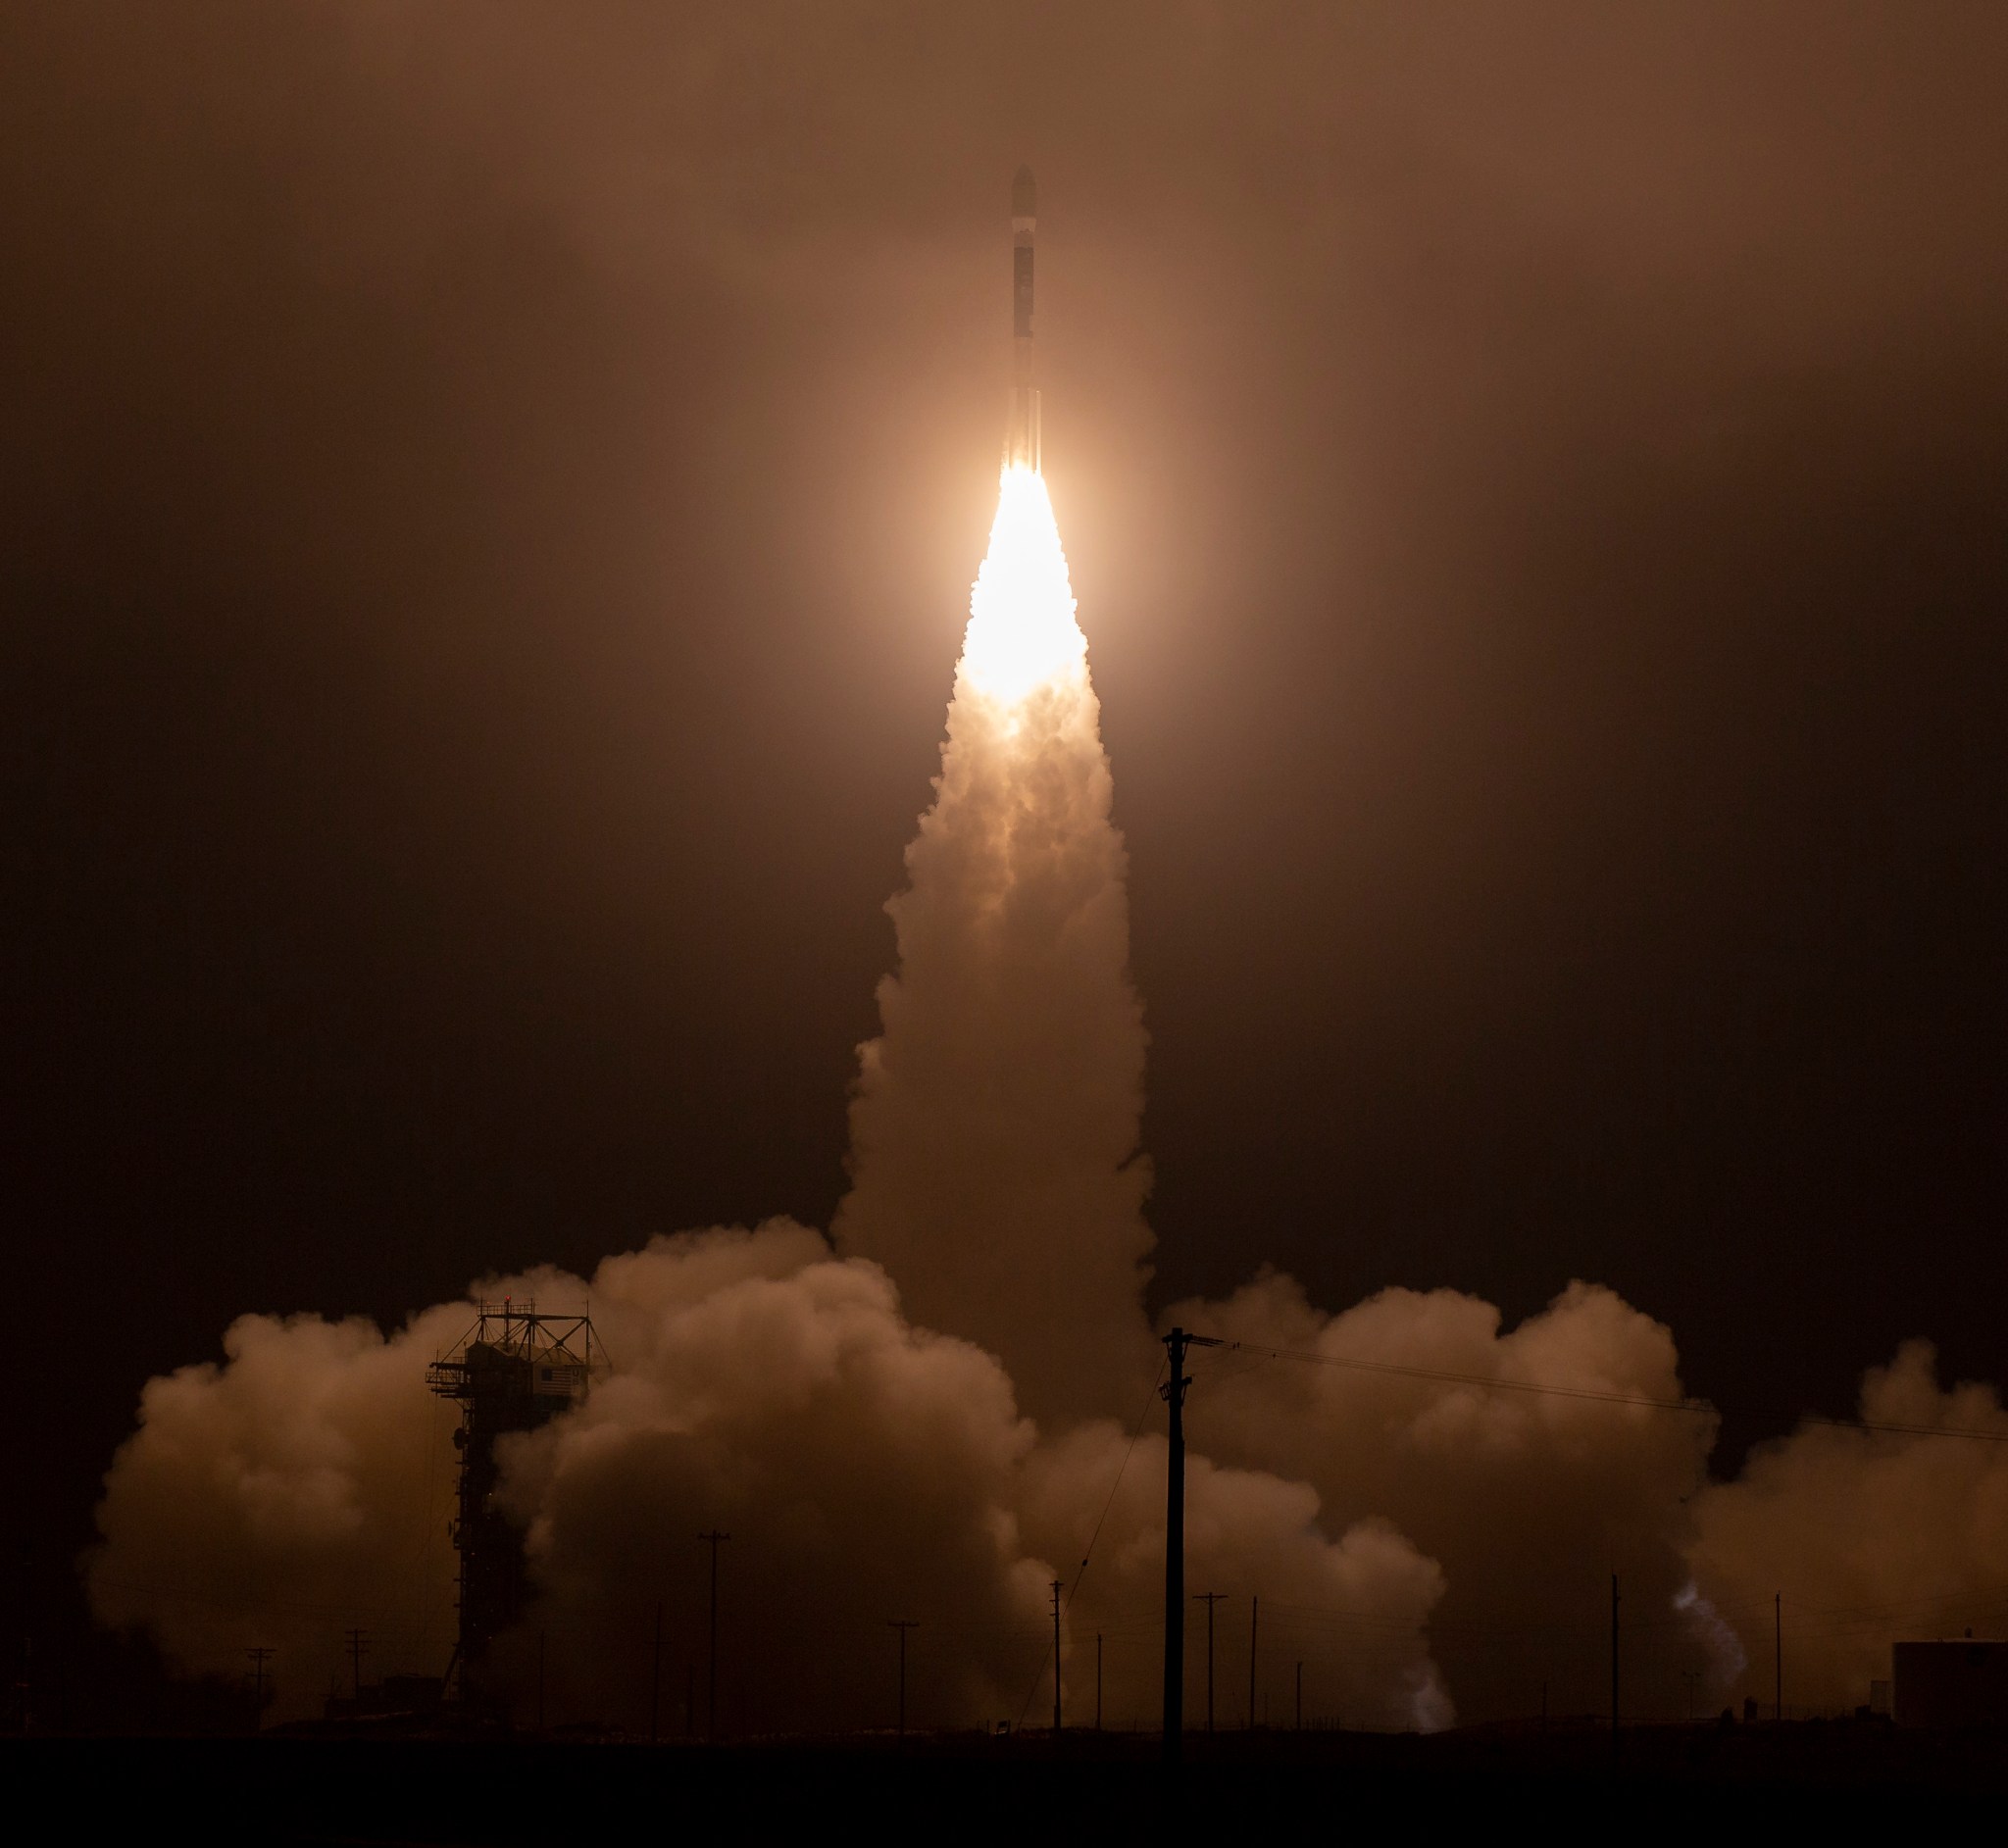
486 511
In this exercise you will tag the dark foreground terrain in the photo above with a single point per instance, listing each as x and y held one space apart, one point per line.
1665 1781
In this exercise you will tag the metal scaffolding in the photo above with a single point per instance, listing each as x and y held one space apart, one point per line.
512 1370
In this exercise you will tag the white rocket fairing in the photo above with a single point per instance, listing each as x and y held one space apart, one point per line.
1021 425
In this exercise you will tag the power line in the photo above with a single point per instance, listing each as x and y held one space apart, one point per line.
1137 1432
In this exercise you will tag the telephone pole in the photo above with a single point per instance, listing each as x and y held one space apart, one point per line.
714 1537
1254 1632
902 1625
258 1657
655 1680
1174 1392
1209 1599
1056 1658
1778 1656
359 1641
1614 1663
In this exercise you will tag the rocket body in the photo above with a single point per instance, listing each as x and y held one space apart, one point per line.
1022 423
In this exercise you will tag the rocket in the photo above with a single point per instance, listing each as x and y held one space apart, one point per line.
1021 425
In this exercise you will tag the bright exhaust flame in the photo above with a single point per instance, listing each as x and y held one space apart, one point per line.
1021 632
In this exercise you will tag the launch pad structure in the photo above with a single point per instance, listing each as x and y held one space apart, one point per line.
515 1370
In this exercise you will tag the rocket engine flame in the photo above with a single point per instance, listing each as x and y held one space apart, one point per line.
1023 634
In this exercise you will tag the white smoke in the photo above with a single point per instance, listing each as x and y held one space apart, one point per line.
1429 1506
865 1470
1353 1608
1728 1658
1529 1500
995 1166
300 1489
1867 1536
867 1467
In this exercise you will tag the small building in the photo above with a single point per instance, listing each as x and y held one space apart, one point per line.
1959 1681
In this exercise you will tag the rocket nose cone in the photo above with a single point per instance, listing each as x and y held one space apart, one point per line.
1025 196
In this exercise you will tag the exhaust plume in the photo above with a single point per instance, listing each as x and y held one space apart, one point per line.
1429 1506
868 1465
995 1168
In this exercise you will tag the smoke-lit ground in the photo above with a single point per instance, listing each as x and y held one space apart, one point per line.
950 1402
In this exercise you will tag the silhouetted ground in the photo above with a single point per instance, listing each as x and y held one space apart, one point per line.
1842 1775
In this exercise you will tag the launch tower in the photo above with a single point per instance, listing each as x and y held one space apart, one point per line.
512 1370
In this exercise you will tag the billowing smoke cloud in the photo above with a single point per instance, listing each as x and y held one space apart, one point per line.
865 1470
1528 1500
300 1489
1353 1610
873 1471
941 1419
1866 1535
994 1133
761 1388
867 1467
864 1467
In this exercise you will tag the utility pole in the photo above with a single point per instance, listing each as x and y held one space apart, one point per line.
655 1680
1056 1658
1254 1632
902 1625
1097 1680
358 1642
258 1657
1173 1391
714 1537
1209 1599
1778 1656
1614 1664
1300 1697
23 1593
